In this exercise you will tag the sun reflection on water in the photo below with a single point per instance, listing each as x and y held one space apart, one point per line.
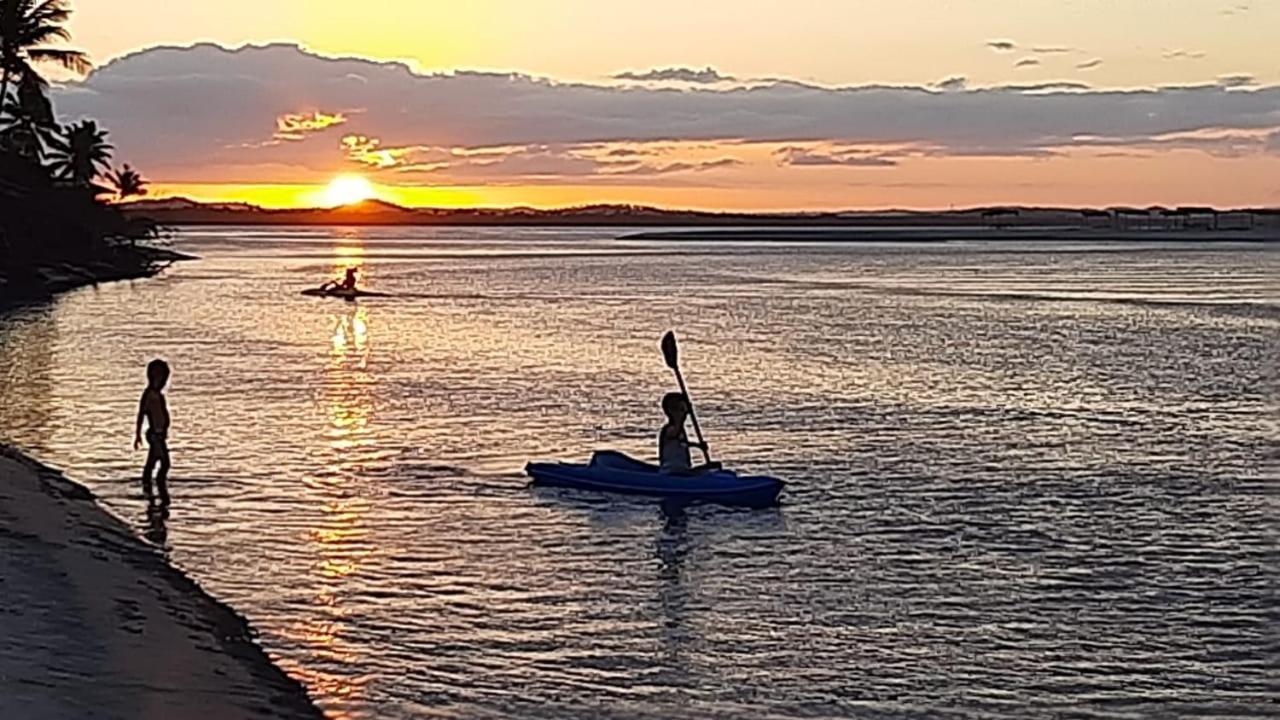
340 540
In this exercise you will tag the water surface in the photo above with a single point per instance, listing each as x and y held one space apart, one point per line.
1023 479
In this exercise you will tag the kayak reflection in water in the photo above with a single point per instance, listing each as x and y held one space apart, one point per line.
348 283
673 443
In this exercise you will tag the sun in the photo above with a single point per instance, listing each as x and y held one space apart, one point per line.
348 190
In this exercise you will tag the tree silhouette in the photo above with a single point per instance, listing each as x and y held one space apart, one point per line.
82 155
26 27
127 182
30 126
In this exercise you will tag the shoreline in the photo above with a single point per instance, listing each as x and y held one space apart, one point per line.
954 234
98 623
44 280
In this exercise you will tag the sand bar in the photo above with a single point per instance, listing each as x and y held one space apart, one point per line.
95 623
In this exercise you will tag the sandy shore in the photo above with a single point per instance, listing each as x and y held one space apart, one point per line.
94 623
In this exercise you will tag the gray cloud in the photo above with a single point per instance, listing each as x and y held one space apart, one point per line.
799 156
953 83
1052 49
1089 64
1052 86
1026 62
204 113
1183 55
705 76
1002 45
1237 81
1219 144
680 167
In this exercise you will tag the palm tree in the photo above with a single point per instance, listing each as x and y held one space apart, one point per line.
82 155
31 126
127 182
26 26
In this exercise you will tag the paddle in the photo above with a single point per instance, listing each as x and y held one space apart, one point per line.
671 353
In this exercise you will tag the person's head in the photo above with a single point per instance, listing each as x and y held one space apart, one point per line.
351 271
157 373
675 406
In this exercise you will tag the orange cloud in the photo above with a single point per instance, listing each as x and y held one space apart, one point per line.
296 126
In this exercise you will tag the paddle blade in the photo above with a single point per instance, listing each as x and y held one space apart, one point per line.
670 352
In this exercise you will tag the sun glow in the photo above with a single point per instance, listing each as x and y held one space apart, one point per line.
349 189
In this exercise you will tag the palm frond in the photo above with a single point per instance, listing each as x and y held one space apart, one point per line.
73 60
30 35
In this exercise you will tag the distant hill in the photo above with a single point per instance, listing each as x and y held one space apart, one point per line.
183 211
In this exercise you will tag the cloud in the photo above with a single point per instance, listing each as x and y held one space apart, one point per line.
1216 142
953 83
800 156
296 126
705 76
527 162
1026 62
1237 81
1053 49
679 167
1002 45
204 113
1052 86
1089 64
1182 55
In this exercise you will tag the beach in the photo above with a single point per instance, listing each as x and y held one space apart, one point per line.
97 624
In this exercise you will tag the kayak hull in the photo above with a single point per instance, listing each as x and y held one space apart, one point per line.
342 294
614 472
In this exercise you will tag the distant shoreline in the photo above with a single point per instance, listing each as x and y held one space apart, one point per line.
956 234
180 211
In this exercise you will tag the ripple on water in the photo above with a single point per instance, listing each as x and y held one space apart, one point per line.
1022 481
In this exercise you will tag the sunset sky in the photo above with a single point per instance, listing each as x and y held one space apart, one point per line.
708 104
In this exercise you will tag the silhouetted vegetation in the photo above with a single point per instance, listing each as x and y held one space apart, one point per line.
57 227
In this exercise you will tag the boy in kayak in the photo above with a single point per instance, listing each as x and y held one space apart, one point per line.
673 443
348 283
155 409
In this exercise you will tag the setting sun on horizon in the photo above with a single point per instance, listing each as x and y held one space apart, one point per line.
976 300
348 190
880 105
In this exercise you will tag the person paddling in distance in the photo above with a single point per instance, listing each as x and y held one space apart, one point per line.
673 443
155 410
348 283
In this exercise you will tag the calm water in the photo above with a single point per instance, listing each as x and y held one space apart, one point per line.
1023 481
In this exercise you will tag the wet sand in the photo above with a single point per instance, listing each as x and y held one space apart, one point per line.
97 624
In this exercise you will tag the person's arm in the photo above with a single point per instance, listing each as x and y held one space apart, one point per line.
137 430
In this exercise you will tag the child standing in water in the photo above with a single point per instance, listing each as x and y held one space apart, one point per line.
153 407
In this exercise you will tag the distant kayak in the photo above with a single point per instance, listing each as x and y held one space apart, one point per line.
344 294
611 471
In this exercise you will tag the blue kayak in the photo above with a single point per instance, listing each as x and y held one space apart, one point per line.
611 471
